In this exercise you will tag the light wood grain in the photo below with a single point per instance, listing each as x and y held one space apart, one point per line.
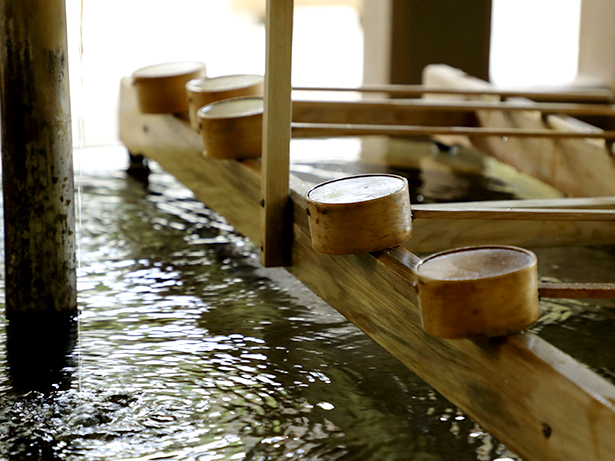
163 92
275 225
360 226
429 235
428 105
512 381
514 387
601 95
199 94
333 129
577 290
436 234
519 214
604 203
578 167
391 112
232 137
172 143
479 305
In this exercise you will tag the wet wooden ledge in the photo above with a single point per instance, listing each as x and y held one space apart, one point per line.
536 399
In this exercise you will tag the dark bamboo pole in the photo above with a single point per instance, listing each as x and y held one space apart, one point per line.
37 175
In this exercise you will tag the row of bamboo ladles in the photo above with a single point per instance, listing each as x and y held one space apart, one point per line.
482 291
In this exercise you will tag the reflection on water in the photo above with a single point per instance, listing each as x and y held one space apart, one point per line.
581 328
436 172
188 349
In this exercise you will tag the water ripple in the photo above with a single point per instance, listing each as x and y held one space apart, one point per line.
188 349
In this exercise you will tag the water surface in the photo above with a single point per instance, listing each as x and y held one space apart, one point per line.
189 349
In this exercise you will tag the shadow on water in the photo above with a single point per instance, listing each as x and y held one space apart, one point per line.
40 363
189 349
40 351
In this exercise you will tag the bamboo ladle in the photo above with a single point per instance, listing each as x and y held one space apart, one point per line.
546 290
483 291
468 300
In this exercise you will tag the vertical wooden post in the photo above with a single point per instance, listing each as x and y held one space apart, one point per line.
597 43
597 51
276 228
415 33
377 26
37 175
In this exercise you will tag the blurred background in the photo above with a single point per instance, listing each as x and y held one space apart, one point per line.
533 42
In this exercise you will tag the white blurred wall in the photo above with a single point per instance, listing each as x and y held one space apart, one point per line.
120 36
534 42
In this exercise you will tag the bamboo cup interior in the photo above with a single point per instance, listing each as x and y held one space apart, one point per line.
169 69
204 91
359 214
161 87
478 291
232 108
357 189
232 128
474 264
224 83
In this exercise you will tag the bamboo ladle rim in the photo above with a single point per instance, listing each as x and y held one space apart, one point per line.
403 183
195 84
204 111
549 290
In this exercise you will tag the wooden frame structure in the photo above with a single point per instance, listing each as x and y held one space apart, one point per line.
536 399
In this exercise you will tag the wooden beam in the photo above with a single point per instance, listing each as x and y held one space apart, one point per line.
179 149
389 112
425 113
594 95
517 105
577 290
339 129
513 386
429 235
604 203
508 106
517 214
276 231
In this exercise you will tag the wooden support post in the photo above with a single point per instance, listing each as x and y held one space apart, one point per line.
37 174
596 39
596 57
407 35
276 230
